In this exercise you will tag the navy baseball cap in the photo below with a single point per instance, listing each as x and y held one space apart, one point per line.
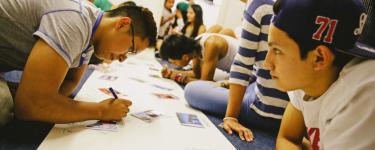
320 22
365 46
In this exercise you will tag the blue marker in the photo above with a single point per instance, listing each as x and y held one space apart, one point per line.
113 92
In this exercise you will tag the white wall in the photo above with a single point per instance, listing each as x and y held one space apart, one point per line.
156 7
230 13
227 13
210 12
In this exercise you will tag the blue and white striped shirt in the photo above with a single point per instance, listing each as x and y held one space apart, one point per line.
248 64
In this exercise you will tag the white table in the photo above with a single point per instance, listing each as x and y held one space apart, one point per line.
134 134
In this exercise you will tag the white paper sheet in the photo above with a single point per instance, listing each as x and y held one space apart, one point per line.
164 133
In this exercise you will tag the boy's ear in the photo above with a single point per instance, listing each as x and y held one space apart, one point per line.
322 57
126 20
122 22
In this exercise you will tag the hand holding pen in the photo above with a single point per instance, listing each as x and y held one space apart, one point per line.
114 109
113 92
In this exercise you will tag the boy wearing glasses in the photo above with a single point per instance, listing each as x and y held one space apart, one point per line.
52 42
330 83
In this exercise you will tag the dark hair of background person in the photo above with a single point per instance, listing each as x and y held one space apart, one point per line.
184 15
174 46
198 20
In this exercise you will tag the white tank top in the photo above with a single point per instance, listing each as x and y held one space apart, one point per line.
226 62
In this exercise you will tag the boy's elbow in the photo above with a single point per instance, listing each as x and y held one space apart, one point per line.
285 142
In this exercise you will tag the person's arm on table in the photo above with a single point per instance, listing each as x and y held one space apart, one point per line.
38 96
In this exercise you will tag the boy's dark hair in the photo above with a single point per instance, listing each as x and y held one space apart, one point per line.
174 46
142 19
198 20
128 3
341 59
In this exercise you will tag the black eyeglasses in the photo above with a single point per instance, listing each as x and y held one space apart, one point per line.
132 50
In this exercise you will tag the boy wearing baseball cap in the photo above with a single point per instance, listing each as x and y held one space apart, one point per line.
331 89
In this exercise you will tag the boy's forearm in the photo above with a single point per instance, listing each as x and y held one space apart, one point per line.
57 109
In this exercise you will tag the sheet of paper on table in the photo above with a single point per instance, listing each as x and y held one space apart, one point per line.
165 132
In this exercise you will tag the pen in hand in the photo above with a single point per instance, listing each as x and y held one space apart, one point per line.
113 93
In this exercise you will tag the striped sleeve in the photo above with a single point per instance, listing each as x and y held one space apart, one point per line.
252 35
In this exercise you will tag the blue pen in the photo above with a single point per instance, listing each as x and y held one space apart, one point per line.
113 92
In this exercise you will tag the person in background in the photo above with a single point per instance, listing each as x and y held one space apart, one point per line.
102 4
315 56
167 19
194 26
227 31
252 100
181 17
211 55
191 29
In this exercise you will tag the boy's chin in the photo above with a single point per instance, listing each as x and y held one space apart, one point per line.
102 58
